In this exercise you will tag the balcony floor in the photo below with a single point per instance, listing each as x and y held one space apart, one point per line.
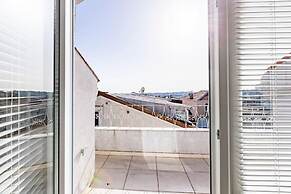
131 173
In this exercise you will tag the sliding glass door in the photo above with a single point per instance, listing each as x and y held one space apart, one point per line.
260 96
27 96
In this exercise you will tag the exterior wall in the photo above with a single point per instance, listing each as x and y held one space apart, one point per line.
158 105
158 140
85 96
113 114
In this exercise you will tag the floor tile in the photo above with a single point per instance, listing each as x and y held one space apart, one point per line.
173 182
110 179
106 191
117 191
200 182
117 162
143 163
177 192
169 164
195 165
144 180
99 161
140 192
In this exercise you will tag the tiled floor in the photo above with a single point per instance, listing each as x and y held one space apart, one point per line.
150 174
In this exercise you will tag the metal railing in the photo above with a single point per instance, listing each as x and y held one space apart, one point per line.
181 115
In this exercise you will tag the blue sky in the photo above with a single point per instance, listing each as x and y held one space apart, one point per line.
161 45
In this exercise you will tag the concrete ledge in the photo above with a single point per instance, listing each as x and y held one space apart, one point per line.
153 140
152 129
152 154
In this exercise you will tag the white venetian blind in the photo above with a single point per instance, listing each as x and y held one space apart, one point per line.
260 94
26 96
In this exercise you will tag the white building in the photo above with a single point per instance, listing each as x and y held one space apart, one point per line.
276 84
116 112
84 134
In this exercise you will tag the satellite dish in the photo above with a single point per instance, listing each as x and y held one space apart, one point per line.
142 90
191 95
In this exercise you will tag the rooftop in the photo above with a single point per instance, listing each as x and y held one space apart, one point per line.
150 99
146 110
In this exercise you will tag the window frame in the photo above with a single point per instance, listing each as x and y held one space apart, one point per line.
225 54
64 154
215 88
223 97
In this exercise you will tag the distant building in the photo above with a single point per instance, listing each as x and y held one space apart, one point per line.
276 87
263 105
161 106
114 111
198 101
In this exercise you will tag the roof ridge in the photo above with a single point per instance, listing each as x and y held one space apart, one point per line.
87 64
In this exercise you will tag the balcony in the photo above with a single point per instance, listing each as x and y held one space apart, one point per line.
146 148
132 172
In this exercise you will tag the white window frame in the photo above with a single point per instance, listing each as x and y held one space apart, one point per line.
222 181
222 157
215 90
64 179
218 64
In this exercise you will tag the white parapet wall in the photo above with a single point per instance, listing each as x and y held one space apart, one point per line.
157 140
113 114
85 92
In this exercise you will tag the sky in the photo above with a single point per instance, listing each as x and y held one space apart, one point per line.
161 45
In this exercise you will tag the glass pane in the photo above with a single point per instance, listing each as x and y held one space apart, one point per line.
26 96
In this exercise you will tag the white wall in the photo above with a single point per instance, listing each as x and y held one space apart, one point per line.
158 140
84 103
113 114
